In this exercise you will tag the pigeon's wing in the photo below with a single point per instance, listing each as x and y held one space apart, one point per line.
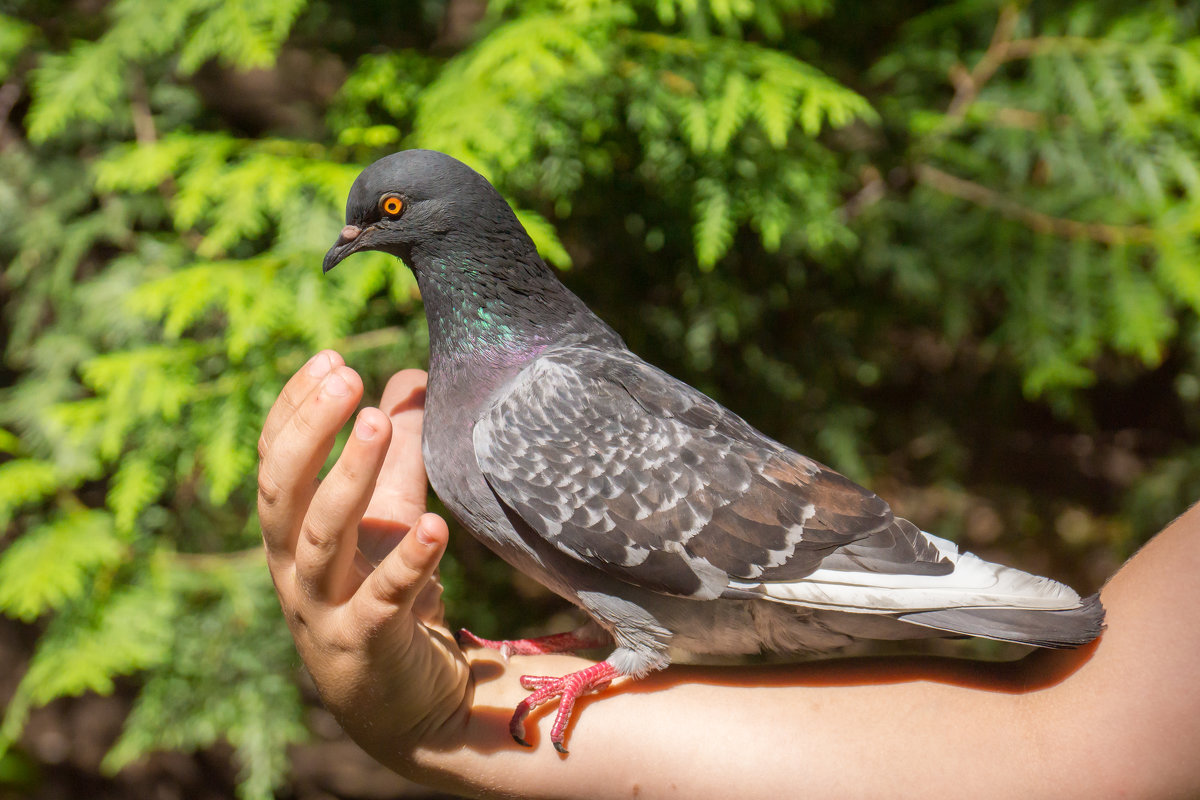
621 466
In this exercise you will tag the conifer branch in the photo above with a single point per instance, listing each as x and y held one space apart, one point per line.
146 134
968 84
1018 49
211 561
1000 50
144 129
1035 220
368 340
872 190
10 92
1027 120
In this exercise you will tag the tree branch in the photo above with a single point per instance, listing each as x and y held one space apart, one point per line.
968 84
10 92
381 337
139 108
1001 50
213 561
1042 223
873 189
1039 45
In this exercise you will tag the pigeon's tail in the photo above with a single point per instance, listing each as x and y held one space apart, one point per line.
1066 628
958 593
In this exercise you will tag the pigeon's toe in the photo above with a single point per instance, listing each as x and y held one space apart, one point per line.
568 689
539 645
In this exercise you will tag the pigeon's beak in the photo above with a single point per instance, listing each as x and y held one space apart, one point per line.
347 243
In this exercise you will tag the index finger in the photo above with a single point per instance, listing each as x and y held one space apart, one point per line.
294 391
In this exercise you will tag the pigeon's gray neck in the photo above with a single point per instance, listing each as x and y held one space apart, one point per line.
491 312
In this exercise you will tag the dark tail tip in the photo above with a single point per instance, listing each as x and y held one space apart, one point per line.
1070 628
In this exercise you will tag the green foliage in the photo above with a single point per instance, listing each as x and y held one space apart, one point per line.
1083 131
51 564
24 480
555 87
904 240
88 82
117 629
123 630
14 36
227 674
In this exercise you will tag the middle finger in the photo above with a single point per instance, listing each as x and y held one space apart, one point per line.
289 469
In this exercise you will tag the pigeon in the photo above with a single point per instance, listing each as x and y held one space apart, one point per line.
670 521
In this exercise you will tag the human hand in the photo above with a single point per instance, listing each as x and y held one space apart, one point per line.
373 637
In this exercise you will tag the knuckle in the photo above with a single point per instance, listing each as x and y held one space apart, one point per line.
394 585
347 473
367 628
383 589
269 492
297 619
303 422
345 639
315 535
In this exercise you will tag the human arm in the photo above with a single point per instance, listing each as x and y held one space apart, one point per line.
1122 715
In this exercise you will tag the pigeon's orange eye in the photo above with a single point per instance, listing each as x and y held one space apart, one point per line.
392 206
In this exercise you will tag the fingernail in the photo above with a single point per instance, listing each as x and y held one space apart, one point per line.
423 535
319 365
336 385
364 430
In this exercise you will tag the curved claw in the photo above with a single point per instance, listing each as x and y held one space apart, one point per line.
568 688
467 639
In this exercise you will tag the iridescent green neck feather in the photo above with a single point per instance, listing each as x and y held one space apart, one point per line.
502 307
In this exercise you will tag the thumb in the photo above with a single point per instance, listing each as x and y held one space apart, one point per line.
400 490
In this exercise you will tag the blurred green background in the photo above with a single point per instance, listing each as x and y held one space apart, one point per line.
952 249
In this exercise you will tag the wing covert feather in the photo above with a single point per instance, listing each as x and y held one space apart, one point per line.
623 467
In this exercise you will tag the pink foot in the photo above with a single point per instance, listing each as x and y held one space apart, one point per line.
582 639
569 688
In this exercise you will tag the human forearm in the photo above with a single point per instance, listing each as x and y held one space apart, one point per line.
1111 718
847 728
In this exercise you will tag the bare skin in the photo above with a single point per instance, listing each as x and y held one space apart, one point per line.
1120 718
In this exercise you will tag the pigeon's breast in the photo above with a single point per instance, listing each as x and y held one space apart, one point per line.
455 477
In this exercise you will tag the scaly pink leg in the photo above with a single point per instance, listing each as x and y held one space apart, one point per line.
583 639
569 688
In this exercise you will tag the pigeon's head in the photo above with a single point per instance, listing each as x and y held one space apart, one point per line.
420 198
